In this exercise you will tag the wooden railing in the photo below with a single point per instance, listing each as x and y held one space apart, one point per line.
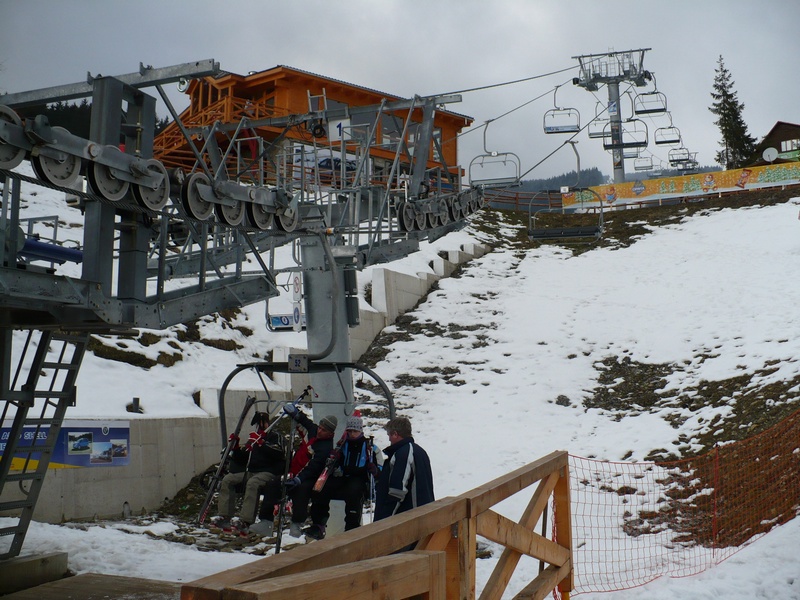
362 564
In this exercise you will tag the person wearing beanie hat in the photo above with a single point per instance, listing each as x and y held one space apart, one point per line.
354 423
300 485
349 481
330 423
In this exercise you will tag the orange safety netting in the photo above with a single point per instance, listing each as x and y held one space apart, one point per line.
634 522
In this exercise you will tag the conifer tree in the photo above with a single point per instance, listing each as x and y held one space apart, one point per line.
737 144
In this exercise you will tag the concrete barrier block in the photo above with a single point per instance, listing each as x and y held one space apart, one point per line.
442 267
457 257
476 250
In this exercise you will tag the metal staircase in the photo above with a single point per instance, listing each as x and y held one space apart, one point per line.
35 401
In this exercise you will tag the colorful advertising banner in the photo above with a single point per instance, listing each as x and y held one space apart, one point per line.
698 184
79 444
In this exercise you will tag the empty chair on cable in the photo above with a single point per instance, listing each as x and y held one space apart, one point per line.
561 120
633 135
667 136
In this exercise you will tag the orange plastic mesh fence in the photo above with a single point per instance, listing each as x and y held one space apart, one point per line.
634 522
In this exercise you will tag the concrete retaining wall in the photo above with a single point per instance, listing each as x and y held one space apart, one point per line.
166 453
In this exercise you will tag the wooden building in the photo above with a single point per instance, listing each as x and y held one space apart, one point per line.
282 91
785 139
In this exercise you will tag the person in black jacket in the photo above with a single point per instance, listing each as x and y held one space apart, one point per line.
259 466
321 445
349 481
406 480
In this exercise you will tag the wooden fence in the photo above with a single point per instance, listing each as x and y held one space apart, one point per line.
361 564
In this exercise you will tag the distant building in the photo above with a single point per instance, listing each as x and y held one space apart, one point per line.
785 139
282 91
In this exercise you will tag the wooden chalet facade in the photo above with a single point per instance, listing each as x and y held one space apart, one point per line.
282 91
785 139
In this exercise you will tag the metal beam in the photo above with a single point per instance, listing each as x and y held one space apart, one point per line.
147 76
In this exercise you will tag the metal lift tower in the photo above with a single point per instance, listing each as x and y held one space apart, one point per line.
612 68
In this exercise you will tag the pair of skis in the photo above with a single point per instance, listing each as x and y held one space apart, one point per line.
213 486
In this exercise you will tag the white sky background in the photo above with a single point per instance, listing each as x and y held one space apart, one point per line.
723 280
407 47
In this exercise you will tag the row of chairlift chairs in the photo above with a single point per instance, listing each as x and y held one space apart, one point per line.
634 138
634 135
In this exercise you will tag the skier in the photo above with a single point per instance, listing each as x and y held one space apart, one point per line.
349 480
259 466
320 447
406 480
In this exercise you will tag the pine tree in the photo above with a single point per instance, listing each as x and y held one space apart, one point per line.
737 144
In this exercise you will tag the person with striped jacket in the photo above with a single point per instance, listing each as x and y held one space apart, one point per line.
406 480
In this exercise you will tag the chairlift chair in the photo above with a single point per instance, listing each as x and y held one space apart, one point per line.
632 152
678 156
509 170
667 136
643 163
634 136
561 120
650 103
596 127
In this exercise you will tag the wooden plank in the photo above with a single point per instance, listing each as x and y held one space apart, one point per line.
376 539
487 495
467 554
387 577
437 540
503 530
543 585
563 517
93 586
504 569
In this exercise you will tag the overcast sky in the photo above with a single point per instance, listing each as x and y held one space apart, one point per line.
407 47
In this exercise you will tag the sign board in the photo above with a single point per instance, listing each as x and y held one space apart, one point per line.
297 287
284 322
337 129
79 444
612 109
297 316
298 363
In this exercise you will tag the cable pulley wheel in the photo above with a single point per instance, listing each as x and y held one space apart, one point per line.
406 216
103 181
444 213
154 198
57 172
454 209
432 220
287 222
10 156
232 215
191 199
259 216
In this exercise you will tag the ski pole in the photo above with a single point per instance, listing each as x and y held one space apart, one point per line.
212 488
284 492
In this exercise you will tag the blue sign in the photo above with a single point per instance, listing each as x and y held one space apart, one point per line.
79 444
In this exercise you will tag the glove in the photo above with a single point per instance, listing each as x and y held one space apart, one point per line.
235 439
255 439
292 483
290 409
372 469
